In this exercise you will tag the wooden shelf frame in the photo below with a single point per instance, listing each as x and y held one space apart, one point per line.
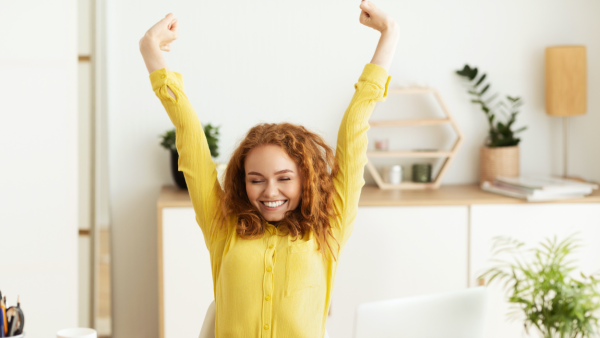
419 154
409 123
448 155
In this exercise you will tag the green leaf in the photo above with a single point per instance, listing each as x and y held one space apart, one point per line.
212 138
491 98
473 74
484 89
169 140
465 71
468 72
480 80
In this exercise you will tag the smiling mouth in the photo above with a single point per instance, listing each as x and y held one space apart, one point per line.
273 205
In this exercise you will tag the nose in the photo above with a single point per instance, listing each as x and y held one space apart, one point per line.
271 190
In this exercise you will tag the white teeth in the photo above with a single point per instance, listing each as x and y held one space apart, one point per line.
273 204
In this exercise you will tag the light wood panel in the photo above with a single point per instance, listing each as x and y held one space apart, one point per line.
465 194
408 123
415 154
566 80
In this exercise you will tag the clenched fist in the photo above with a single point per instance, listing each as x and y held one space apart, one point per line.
373 17
162 33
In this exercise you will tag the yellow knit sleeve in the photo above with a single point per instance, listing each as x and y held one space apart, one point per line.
351 147
195 160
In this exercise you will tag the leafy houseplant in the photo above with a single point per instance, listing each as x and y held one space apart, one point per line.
542 288
168 142
500 153
500 133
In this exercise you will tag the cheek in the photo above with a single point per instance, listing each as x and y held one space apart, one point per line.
252 193
295 192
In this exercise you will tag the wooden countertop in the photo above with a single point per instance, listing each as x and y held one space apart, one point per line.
468 194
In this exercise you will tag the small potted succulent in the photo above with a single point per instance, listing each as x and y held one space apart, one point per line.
168 142
499 155
543 290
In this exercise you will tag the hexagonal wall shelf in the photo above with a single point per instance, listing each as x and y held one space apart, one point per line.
448 155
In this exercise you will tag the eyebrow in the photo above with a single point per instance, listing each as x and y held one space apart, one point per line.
277 173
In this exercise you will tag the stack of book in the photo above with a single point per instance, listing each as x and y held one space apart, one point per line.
539 188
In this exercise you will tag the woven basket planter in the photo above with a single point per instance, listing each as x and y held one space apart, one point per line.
499 161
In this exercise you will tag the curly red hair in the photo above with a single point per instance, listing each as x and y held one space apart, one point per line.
318 166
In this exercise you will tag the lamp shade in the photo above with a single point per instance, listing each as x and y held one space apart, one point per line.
566 80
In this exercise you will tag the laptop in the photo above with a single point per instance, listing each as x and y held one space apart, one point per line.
458 314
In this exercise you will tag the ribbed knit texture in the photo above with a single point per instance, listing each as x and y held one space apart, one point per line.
272 286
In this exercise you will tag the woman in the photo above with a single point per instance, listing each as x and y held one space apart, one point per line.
287 208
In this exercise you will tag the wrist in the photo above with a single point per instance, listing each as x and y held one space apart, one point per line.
148 42
391 29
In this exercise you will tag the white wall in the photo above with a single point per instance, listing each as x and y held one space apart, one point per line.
248 62
38 162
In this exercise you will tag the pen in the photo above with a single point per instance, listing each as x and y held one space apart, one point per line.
18 321
4 315
3 323
12 325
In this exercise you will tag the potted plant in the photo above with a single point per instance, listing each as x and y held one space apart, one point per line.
499 154
540 285
168 142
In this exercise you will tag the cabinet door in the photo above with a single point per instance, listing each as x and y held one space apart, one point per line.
187 277
398 252
529 223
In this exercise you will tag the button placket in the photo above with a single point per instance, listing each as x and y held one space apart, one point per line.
268 286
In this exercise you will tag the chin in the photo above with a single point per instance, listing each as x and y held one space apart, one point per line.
274 218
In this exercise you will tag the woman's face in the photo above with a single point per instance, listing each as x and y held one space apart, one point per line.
273 181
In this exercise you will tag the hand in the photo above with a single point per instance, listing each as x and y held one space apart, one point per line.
373 17
162 33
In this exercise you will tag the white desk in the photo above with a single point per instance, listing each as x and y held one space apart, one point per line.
435 241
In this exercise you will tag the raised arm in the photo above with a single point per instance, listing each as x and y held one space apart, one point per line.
351 147
158 38
194 155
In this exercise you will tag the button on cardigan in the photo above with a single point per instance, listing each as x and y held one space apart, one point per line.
271 287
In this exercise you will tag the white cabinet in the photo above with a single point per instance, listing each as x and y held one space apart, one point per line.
529 223
394 251
186 274
397 252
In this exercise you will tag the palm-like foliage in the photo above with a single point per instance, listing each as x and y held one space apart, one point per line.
212 138
500 133
540 285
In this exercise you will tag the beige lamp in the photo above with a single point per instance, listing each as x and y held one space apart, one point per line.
566 86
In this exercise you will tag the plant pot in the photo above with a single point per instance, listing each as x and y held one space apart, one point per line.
498 161
177 175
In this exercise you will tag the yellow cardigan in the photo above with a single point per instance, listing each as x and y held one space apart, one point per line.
272 286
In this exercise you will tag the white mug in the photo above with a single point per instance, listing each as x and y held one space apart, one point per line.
79 332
